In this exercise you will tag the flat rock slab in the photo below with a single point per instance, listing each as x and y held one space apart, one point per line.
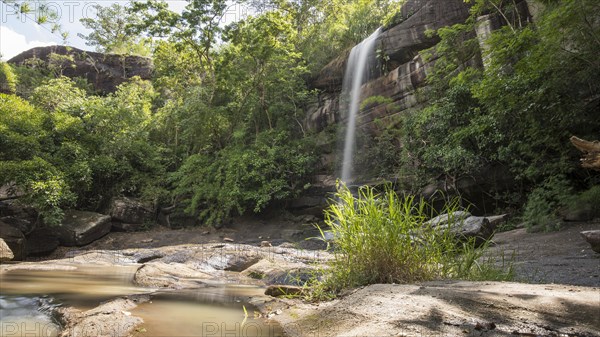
80 228
455 308
113 318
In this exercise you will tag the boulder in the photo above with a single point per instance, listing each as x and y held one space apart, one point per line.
465 227
14 208
25 225
5 253
103 71
10 191
41 241
111 318
444 219
593 238
80 228
130 211
15 240
280 273
158 274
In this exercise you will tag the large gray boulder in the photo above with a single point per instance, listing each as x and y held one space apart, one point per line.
80 228
5 253
593 238
129 214
15 239
25 225
42 241
465 227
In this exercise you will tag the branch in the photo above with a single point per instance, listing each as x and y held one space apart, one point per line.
591 151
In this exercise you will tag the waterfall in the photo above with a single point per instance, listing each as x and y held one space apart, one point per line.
357 70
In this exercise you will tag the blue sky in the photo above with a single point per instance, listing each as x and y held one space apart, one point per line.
21 32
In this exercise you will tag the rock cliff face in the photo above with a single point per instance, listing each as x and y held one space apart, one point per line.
400 45
103 71
402 85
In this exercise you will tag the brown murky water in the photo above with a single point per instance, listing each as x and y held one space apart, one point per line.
211 311
27 297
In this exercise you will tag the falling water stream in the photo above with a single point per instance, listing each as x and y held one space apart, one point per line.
357 70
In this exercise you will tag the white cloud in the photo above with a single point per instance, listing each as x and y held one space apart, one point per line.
13 43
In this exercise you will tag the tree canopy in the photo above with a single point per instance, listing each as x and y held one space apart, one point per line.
219 130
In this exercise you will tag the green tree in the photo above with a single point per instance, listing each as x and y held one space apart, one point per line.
25 144
196 27
244 136
8 79
110 33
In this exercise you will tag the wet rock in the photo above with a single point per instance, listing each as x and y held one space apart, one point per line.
41 241
284 290
130 211
174 276
5 253
80 228
593 238
15 240
109 319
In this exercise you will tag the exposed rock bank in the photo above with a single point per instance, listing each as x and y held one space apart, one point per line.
103 71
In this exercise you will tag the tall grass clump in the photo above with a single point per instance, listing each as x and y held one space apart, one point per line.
385 238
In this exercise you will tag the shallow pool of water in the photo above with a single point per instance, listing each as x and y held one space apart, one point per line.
27 297
210 311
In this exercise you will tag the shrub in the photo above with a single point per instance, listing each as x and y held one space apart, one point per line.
586 203
244 176
385 238
544 204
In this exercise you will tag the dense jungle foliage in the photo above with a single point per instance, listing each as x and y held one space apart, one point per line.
219 128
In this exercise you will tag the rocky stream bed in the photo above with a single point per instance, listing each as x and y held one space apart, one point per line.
233 276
